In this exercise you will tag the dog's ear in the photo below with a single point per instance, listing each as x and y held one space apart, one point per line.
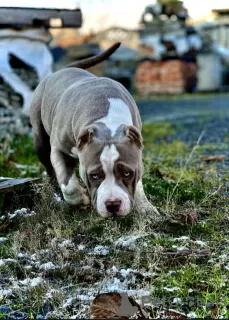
134 135
85 136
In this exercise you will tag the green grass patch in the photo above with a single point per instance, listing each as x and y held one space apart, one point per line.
18 158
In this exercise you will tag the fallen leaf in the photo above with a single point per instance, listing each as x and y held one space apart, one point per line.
190 218
202 286
215 310
115 305
106 306
87 278
4 226
219 157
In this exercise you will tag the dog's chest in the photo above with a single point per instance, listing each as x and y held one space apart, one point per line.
118 114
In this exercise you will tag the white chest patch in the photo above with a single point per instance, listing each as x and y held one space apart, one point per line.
118 114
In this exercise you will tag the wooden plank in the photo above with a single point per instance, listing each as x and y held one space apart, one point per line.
10 185
37 17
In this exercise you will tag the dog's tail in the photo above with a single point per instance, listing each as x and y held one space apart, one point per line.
89 62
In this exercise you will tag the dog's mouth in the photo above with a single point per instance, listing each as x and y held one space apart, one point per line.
113 215
116 214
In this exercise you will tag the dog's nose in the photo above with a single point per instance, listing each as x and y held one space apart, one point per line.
113 206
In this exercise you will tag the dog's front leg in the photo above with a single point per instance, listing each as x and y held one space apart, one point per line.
141 203
73 193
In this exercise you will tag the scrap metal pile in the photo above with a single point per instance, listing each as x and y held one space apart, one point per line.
25 59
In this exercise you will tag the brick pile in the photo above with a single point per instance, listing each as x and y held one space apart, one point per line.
170 76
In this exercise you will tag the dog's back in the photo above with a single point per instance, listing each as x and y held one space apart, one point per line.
55 85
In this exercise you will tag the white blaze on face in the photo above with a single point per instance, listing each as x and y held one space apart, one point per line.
109 190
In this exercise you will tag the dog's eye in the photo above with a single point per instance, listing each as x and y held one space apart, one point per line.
127 174
95 176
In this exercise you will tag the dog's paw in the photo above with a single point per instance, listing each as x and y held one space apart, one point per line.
75 195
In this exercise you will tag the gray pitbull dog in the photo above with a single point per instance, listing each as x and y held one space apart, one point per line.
77 117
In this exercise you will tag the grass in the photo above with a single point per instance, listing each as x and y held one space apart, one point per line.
18 158
176 180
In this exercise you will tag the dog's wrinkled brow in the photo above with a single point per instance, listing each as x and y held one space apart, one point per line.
94 168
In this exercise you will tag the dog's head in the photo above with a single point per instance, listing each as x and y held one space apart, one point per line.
111 168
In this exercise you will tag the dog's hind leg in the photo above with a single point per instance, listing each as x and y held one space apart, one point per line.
40 137
64 168
141 203
43 150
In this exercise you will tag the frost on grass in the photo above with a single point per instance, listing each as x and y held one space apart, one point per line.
3 239
50 294
7 261
22 255
5 292
177 301
191 315
34 282
57 198
65 243
100 250
181 248
201 243
47 266
121 280
128 242
172 289
25 212
183 238
68 302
